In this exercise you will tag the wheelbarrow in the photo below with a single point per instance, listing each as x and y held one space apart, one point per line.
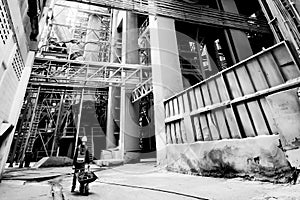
84 178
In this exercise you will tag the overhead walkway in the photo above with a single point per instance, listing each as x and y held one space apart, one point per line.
70 73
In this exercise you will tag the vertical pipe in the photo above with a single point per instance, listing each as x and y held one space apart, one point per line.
78 120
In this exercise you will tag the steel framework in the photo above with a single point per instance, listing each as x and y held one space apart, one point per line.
60 72
184 12
70 32
49 114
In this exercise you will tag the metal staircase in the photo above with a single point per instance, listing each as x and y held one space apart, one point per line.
290 8
291 19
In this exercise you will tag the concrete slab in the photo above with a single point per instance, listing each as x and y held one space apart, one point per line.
257 156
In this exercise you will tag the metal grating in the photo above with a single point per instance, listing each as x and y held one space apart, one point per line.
5 28
18 64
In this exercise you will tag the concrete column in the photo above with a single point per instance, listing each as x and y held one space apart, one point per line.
240 48
166 74
114 92
111 117
131 39
115 36
129 128
91 50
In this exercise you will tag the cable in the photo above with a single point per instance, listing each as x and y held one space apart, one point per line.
154 189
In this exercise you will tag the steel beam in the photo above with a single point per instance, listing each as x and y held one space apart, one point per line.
185 12
71 73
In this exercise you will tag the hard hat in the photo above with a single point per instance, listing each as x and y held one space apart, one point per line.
84 139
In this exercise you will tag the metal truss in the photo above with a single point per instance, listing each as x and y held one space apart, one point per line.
59 72
142 90
185 12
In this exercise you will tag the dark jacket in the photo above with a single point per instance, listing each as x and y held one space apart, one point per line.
81 149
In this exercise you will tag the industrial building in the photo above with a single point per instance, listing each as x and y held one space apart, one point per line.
204 87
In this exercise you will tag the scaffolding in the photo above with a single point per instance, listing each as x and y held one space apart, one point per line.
70 75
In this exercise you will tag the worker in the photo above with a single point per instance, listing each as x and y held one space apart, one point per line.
81 157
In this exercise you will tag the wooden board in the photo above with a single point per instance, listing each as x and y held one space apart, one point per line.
173 133
167 109
183 131
289 68
257 75
192 99
245 120
205 128
197 129
198 96
176 107
270 68
234 88
232 123
213 91
245 81
222 89
267 111
171 108
180 104
220 118
178 132
206 95
258 119
168 134
213 126
186 103
290 71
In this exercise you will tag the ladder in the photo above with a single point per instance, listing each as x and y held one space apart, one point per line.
290 7
291 19
34 128
21 145
30 129
30 133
